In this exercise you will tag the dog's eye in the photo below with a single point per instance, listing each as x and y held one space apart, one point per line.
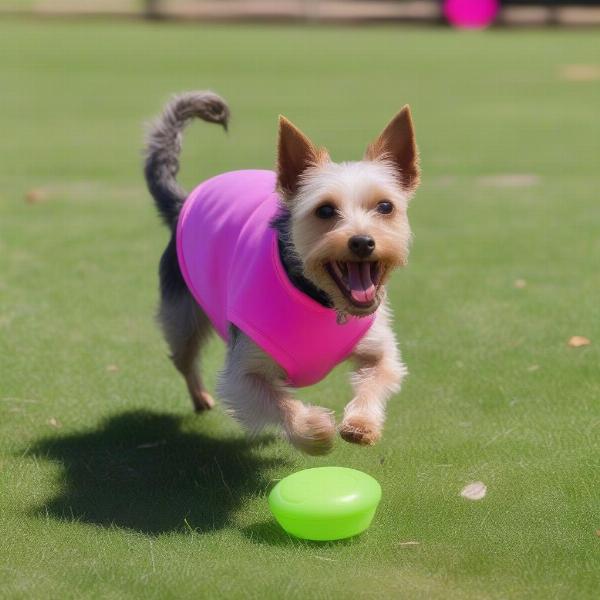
325 211
385 207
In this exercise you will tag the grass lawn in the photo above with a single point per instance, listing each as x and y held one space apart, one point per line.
111 487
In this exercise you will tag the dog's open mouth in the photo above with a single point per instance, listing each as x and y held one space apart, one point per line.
358 281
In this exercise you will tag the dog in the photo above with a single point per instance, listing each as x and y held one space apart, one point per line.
290 268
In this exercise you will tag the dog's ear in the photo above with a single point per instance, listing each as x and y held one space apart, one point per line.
295 154
397 143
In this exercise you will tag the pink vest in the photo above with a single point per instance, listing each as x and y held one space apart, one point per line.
229 258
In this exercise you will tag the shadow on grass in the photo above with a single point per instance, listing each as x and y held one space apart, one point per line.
141 471
269 532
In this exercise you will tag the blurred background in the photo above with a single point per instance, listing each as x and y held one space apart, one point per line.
514 12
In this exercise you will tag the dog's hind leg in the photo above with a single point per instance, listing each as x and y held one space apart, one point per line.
184 324
186 329
252 386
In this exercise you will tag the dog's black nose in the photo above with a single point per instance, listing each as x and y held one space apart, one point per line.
361 245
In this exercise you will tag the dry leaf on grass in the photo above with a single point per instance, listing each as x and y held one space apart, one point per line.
112 368
36 195
54 422
520 283
474 491
598 532
579 340
408 544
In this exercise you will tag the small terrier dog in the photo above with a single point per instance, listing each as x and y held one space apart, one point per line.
338 232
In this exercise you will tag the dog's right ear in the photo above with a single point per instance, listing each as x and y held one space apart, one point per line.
295 154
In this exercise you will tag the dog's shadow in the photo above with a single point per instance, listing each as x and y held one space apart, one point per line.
142 471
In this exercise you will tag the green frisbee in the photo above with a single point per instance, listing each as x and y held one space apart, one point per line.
326 503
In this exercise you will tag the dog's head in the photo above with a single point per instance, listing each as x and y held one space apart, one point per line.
348 221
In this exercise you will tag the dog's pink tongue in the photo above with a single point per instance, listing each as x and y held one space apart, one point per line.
361 287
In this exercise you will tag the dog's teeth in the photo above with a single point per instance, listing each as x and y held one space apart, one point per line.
336 269
375 272
344 270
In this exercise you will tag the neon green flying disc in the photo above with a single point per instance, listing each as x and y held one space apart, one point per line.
326 503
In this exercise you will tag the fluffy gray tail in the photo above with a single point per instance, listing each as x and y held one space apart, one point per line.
163 146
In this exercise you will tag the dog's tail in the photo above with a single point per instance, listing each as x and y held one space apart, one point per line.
163 146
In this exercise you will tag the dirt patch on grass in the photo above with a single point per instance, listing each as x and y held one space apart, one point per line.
580 72
509 180
80 190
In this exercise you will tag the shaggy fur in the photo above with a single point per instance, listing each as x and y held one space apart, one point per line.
331 216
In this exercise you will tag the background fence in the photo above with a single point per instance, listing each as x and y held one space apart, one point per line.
525 12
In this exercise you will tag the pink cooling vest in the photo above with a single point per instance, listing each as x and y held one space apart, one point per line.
229 258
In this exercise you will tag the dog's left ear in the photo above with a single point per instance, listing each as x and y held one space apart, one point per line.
296 153
397 143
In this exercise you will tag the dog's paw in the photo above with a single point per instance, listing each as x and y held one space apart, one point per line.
360 430
202 401
312 430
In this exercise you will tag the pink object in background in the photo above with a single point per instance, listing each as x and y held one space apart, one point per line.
471 14
229 259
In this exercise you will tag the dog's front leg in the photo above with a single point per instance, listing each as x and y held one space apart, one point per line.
252 386
378 375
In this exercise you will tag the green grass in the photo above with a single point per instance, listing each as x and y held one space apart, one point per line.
131 495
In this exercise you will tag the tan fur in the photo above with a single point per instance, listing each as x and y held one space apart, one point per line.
379 374
397 143
295 154
252 387
309 428
355 189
